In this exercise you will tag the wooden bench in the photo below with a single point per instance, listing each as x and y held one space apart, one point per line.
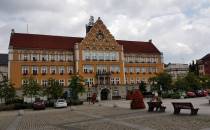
157 105
184 105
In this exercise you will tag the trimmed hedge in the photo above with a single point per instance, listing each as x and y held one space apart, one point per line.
7 107
76 102
19 106
175 96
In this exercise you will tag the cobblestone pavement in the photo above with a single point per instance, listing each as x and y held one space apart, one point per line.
102 117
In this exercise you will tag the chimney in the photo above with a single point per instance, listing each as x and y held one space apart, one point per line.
150 40
90 24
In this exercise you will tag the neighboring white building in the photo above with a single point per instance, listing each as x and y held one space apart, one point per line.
4 64
177 70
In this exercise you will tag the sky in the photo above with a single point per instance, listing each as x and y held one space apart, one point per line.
178 28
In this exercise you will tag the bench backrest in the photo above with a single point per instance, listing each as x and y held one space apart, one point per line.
154 104
183 105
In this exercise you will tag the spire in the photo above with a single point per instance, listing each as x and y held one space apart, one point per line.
90 24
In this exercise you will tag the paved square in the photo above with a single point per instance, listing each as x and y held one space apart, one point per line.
106 117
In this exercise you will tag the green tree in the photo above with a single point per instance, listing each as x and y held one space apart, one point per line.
53 89
193 68
192 81
76 86
142 86
31 88
7 90
181 85
205 81
161 82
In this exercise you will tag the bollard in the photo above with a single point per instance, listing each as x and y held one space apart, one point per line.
115 105
20 112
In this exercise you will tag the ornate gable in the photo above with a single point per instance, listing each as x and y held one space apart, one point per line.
100 38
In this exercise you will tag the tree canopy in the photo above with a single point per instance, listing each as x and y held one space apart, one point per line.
53 89
76 86
31 88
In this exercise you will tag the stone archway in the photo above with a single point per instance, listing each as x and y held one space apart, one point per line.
105 94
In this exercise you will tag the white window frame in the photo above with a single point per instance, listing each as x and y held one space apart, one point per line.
25 70
35 69
62 82
44 69
61 69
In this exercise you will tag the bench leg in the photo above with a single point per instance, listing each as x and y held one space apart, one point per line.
150 109
162 109
176 111
194 111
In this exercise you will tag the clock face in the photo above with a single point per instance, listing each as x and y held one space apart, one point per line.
100 36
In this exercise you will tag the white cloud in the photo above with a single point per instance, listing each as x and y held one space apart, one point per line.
178 28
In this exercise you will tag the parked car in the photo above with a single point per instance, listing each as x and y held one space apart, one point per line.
60 103
201 93
191 94
39 104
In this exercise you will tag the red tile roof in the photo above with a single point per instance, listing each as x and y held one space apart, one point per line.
35 41
138 47
206 57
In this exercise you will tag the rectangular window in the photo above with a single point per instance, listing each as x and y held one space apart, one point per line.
89 81
107 56
126 69
69 57
137 80
137 70
44 57
24 82
131 80
87 55
52 57
88 68
25 57
101 69
53 69
112 81
115 68
101 56
35 57
44 70
70 70
34 70
25 70
61 82
61 70
44 83
69 82
126 80
143 69
117 80
131 70
61 57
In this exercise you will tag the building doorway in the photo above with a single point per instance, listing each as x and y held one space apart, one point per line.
104 94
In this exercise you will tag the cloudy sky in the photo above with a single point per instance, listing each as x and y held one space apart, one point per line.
179 28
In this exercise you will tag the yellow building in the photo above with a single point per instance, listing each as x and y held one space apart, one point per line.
110 66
